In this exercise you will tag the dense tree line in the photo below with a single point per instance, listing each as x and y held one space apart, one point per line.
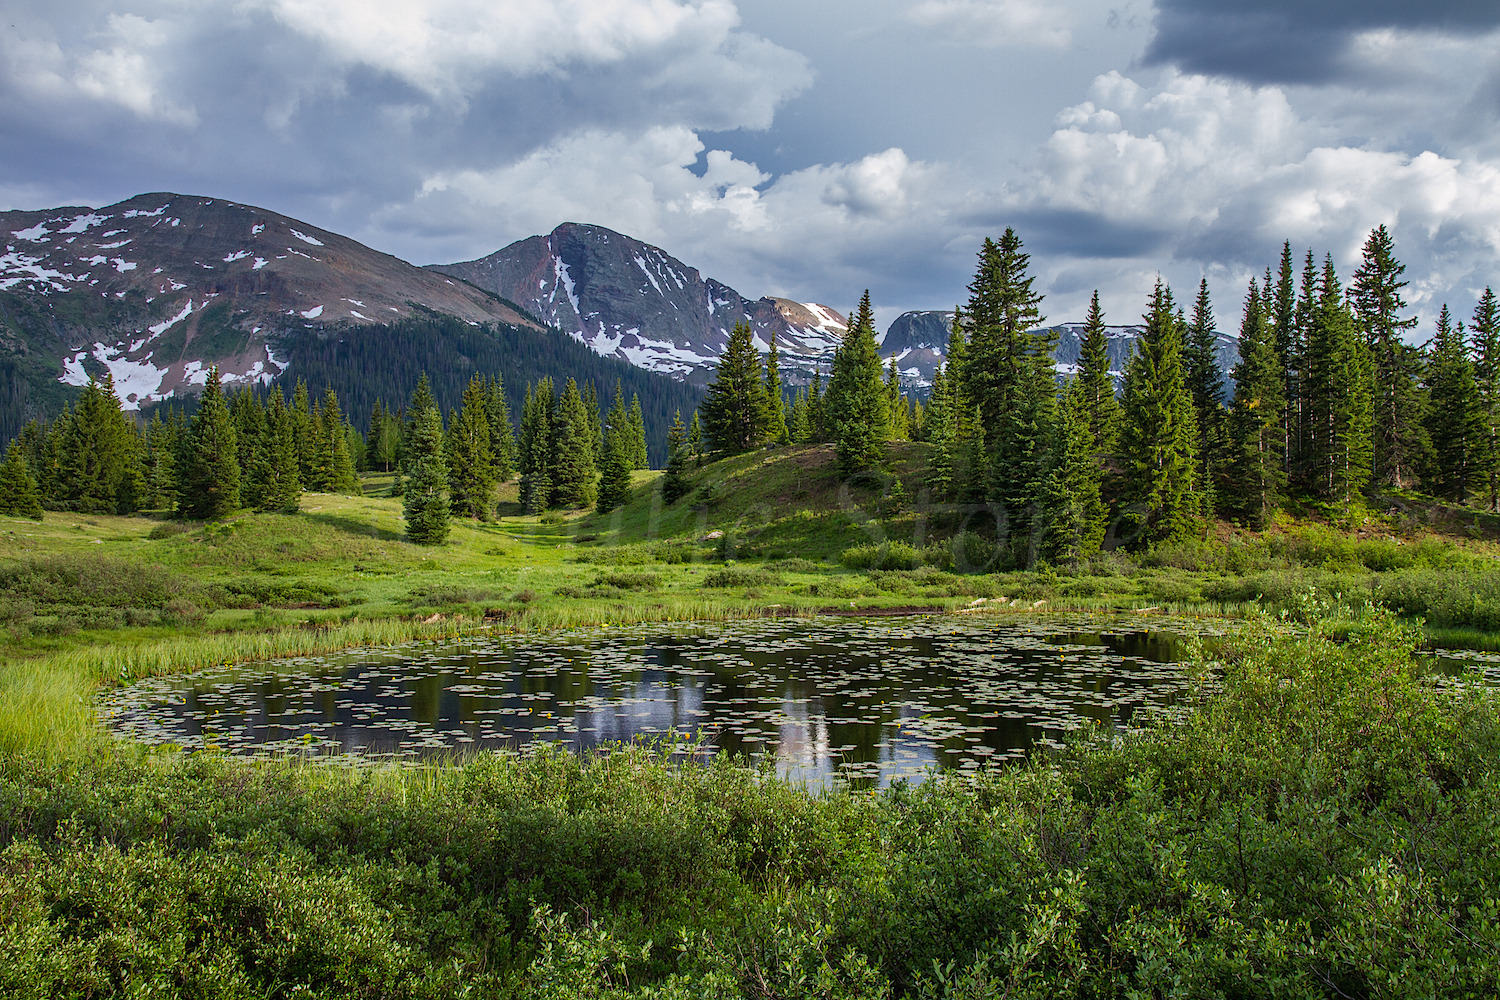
366 364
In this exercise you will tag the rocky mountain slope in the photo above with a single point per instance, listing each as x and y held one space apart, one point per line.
156 289
631 300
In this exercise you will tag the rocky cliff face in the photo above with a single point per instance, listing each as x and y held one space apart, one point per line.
157 289
631 300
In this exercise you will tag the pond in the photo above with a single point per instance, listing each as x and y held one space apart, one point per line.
867 700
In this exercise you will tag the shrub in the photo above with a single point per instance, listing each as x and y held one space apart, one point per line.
449 594
741 576
886 555
629 581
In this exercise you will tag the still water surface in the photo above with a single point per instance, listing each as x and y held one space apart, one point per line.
866 700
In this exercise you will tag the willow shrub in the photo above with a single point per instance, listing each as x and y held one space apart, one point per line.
1320 821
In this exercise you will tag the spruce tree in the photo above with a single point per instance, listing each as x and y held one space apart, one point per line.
210 481
1454 417
596 426
1340 446
1376 288
857 403
98 468
18 490
817 417
1291 349
1257 425
536 445
1206 384
799 427
1158 440
381 448
1485 331
502 439
333 466
674 483
942 432
638 453
896 403
471 463
776 423
695 439
249 429
1095 381
573 464
305 436
425 503
159 464
614 482
277 483
1073 511
735 410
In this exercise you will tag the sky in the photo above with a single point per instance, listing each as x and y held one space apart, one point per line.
803 148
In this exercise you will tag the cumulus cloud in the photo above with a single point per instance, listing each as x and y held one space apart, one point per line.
1292 41
1201 170
995 23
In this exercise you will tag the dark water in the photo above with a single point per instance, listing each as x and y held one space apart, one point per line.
867 700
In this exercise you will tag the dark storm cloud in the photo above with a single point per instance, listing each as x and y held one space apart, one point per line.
1294 41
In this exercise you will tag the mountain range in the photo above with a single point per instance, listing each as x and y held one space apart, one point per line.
156 289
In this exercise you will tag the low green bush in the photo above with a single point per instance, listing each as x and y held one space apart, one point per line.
885 555
741 576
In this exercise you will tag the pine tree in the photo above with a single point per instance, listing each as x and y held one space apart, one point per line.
942 431
857 404
695 439
278 487
381 448
249 429
1097 384
333 466
425 504
614 482
1159 434
18 490
1291 350
1340 446
210 481
799 427
817 417
1485 330
1073 512
1206 384
596 426
1454 422
1378 303
674 483
573 464
305 436
735 409
1257 425
159 464
471 463
536 445
776 423
896 404
98 450
502 439
638 453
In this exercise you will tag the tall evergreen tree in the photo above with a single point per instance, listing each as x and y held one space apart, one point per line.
249 429
384 439
735 409
896 403
278 486
1096 382
1376 289
1159 435
210 481
304 433
638 456
471 463
942 432
596 426
19 496
1257 425
1290 349
614 482
502 438
573 463
1074 512
536 445
1454 422
98 469
1484 329
674 483
776 423
159 464
1206 384
695 438
857 403
425 504
1340 446
333 467
817 417
799 425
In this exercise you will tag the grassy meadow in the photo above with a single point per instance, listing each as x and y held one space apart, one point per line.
1320 824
